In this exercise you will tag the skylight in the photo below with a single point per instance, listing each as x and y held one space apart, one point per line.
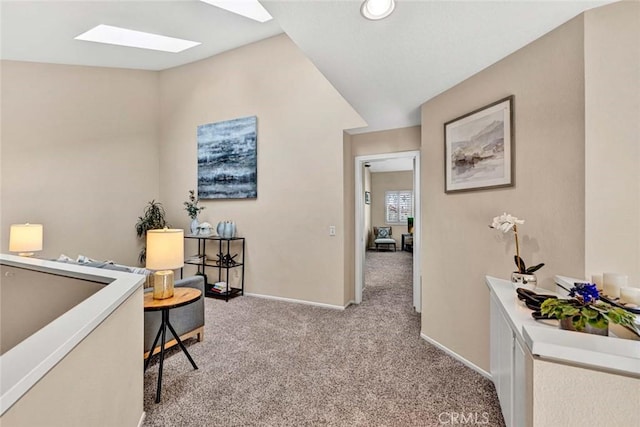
251 9
131 38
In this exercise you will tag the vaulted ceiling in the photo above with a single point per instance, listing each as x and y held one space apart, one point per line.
384 69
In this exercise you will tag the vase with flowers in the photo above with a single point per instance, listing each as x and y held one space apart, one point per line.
585 312
524 276
192 208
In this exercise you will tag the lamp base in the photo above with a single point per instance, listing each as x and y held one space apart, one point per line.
163 284
26 254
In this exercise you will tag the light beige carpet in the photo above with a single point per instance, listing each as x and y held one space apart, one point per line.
271 363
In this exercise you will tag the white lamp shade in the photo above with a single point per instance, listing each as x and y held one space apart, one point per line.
165 249
25 237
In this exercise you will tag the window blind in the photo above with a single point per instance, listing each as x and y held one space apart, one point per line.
398 206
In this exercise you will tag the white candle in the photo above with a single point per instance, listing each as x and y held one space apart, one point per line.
597 280
630 295
612 282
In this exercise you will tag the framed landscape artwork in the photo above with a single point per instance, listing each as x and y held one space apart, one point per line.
479 148
227 159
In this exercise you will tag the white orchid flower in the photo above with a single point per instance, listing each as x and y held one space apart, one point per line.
505 222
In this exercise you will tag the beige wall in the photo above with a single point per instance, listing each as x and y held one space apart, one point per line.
92 138
614 403
612 139
349 224
381 182
547 80
301 119
381 142
386 141
110 390
79 155
29 300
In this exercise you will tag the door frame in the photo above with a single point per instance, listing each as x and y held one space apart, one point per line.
360 248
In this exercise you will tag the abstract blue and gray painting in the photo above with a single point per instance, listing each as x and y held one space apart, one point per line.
227 159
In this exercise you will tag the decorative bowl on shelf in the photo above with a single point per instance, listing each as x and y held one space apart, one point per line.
205 229
524 280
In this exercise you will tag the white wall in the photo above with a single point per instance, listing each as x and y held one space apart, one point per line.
368 228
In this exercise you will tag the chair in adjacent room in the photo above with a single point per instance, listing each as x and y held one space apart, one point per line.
383 237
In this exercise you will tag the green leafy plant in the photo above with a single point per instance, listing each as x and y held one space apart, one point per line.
586 308
191 206
522 268
152 219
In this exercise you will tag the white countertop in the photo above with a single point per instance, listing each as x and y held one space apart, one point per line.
546 341
30 360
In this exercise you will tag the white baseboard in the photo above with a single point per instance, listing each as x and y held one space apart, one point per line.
142 417
297 301
456 356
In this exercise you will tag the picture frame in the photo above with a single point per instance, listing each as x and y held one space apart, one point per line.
367 197
479 148
227 159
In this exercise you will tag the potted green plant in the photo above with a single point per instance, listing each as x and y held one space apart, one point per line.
192 208
585 312
152 219
524 276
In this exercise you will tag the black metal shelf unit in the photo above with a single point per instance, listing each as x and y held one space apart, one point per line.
225 262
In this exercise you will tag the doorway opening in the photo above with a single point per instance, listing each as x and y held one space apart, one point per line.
364 227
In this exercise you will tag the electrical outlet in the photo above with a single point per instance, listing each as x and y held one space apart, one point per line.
332 230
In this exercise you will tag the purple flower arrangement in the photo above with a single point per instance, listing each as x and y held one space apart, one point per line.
585 308
585 292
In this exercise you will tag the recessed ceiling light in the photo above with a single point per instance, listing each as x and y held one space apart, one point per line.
377 9
251 9
131 38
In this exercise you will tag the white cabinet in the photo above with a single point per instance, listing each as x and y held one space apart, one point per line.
508 368
520 393
533 365
502 361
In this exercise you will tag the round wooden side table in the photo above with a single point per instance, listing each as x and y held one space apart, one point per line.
181 297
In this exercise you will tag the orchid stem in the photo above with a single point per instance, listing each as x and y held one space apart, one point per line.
515 232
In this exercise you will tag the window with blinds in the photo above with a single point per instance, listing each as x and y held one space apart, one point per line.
398 206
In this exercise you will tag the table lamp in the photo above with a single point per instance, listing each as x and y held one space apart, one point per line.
25 238
165 253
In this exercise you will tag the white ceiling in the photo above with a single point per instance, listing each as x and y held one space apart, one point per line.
384 69
43 31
